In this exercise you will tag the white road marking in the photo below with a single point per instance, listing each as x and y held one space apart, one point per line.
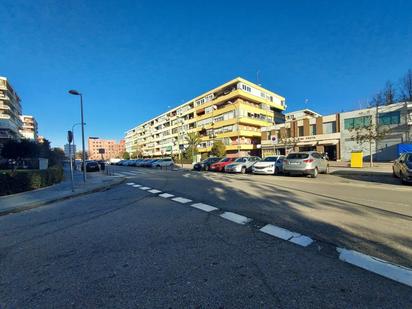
137 186
128 173
285 234
130 183
154 191
181 200
235 217
204 207
186 175
302 240
144 188
166 195
392 271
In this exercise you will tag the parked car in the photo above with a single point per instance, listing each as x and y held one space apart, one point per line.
148 163
402 168
308 163
91 166
137 162
102 164
220 165
205 164
269 165
242 165
141 162
165 162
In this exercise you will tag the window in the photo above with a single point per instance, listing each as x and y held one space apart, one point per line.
390 118
246 88
301 132
313 129
288 132
357 122
329 127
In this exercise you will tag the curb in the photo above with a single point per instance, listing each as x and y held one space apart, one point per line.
361 173
28 206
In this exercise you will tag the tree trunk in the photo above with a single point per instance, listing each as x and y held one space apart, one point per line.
370 154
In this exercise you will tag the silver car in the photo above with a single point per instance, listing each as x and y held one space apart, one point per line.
270 165
308 163
402 168
241 165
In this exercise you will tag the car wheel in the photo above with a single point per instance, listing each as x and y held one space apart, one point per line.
276 171
315 173
402 178
243 170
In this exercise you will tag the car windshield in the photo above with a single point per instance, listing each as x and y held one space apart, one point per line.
270 159
298 156
240 160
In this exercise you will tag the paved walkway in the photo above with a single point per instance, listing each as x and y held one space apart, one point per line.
31 199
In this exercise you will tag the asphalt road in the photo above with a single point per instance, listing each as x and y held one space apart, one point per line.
129 248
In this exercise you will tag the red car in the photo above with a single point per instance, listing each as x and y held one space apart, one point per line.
220 166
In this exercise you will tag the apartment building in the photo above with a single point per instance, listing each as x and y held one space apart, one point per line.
29 128
111 149
303 130
10 111
394 119
233 113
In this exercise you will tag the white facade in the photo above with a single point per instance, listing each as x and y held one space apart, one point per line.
10 111
395 119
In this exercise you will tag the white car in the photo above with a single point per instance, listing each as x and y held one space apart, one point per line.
167 162
270 166
241 165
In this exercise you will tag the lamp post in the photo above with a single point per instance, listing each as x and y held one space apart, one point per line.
75 92
73 126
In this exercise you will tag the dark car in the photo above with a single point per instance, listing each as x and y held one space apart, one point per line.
205 164
102 164
402 168
148 163
92 166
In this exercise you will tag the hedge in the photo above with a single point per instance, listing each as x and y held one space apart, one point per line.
21 181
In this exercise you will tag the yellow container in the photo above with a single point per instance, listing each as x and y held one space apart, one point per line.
356 159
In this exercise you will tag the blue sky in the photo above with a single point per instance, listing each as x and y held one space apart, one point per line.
133 59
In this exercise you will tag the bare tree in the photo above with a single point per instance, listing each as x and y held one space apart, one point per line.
369 134
288 142
389 93
406 87
378 99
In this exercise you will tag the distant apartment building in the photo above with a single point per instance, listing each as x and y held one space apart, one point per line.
233 113
105 149
29 128
303 130
10 111
69 150
394 119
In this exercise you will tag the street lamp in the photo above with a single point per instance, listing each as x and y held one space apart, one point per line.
76 124
75 92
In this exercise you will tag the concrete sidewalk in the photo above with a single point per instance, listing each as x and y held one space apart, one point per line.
31 199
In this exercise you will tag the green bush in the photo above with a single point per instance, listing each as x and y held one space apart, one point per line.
21 181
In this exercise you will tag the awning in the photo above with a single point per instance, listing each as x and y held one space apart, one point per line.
329 142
